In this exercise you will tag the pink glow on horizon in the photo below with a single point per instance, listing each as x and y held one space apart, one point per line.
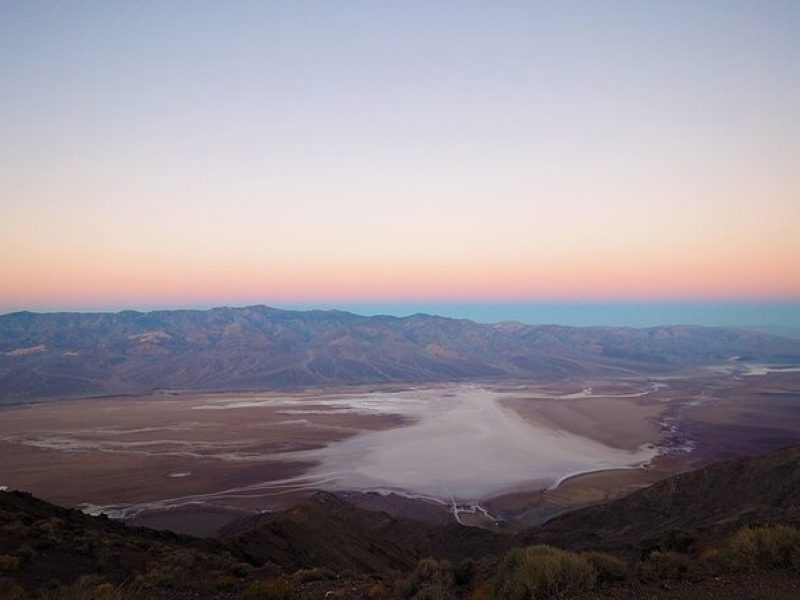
264 152
98 282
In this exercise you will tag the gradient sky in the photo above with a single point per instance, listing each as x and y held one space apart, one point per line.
199 153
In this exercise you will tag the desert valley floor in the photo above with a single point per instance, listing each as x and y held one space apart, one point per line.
494 454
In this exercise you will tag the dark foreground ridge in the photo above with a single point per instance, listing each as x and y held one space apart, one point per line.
676 539
257 347
713 501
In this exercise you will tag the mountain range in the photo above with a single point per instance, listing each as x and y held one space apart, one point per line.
45 355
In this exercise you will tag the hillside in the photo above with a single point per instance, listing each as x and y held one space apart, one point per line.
78 354
326 531
42 545
711 501
354 552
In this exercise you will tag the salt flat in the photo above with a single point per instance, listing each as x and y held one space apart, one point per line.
463 444
499 444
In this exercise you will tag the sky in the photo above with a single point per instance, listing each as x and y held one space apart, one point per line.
200 153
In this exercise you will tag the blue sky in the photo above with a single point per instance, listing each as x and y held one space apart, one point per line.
196 153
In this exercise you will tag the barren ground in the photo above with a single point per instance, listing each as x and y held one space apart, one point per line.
193 462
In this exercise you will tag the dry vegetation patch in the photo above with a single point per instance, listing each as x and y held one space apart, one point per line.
543 572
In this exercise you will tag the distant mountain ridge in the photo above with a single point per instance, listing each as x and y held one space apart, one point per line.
75 354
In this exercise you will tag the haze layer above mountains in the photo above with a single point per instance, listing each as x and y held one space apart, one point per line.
76 354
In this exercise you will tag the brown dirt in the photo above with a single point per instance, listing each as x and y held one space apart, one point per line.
129 450
617 422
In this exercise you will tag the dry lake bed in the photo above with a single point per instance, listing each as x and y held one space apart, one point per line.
478 452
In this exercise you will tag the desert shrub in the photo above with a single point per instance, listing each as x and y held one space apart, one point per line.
103 559
238 569
9 590
464 573
26 553
610 569
108 591
88 587
47 525
679 540
91 587
182 558
665 565
48 533
378 591
16 529
430 580
8 563
543 572
276 588
711 561
316 574
767 547
165 576
482 591
225 582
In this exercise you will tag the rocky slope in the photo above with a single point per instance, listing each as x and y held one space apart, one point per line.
43 545
709 502
326 531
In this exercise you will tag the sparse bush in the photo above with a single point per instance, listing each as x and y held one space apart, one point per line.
108 591
16 529
8 563
9 590
277 588
26 553
162 577
181 558
316 574
378 591
88 587
482 591
226 582
543 572
238 569
610 569
768 547
680 540
48 533
661 566
90 581
47 526
464 573
711 561
430 580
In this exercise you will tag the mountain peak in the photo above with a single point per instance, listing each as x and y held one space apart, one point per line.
260 347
